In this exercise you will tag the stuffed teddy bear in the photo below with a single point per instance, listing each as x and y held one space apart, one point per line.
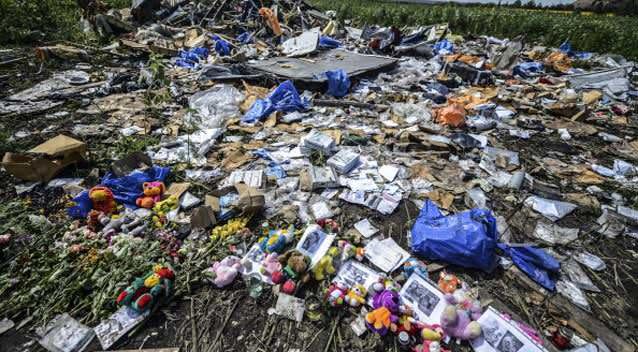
325 264
145 292
152 194
224 272
448 283
271 264
296 264
356 296
102 199
459 323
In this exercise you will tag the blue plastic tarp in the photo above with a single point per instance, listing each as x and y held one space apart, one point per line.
222 47
466 239
443 47
338 83
191 58
528 69
126 189
534 262
326 42
284 98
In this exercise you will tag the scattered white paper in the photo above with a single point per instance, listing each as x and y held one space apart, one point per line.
314 243
502 335
389 172
290 307
425 298
386 254
365 228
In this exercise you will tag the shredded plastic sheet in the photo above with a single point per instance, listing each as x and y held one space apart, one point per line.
535 263
338 83
467 239
284 98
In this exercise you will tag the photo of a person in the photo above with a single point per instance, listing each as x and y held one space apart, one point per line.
313 241
509 343
492 332
425 300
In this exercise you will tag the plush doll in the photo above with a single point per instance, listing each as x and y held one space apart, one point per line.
145 292
432 332
448 283
224 272
384 317
152 194
271 264
296 264
459 323
350 251
413 265
102 199
325 264
356 296
277 240
335 295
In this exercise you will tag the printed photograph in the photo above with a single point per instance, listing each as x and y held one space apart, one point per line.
492 331
312 242
509 343
422 297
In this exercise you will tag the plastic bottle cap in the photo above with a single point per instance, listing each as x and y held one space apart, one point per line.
404 338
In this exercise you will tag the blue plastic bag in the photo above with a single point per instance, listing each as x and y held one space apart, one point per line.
284 98
466 239
528 69
190 58
245 38
125 189
534 262
443 47
326 42
338 83
222 47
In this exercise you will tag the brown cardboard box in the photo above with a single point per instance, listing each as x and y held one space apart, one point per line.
46 160
250 201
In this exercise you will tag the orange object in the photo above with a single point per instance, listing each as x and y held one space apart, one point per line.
271 20
102 199
379 318
559 61
448 283
452 115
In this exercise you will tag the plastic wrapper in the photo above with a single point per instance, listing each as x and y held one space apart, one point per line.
65 334
213 106
467 239
554 234
573 293
529 69
326 42
591 261
551 209
412 113
191 58
578 276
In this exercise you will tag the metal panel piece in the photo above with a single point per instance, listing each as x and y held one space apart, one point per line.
310 69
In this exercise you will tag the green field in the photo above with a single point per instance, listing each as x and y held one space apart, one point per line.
589 32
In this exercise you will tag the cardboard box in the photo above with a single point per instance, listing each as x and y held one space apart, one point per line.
46 160
250 199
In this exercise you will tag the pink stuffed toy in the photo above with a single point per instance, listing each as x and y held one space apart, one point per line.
271 264
224 272
430 346
458 322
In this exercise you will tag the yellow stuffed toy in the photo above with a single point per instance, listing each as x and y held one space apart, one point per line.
325 265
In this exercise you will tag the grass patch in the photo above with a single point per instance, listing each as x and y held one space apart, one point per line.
591 32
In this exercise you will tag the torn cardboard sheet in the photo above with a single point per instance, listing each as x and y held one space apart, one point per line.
46 160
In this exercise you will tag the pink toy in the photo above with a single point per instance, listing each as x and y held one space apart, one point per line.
224 272
271 264
459 323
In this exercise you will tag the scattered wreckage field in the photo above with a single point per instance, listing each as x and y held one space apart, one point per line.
266 180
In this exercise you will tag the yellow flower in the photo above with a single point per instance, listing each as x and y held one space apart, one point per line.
152 281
